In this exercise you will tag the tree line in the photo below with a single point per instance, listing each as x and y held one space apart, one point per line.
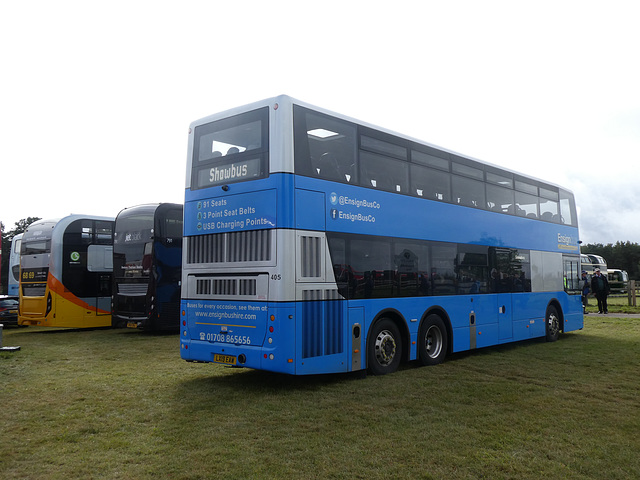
622 255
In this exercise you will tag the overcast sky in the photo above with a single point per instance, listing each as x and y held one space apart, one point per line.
97 97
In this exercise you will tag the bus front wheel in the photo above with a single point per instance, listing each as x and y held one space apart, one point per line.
433 341
385 348
552 324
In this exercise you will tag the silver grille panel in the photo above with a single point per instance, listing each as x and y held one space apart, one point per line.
310 252
230 247
132 289
241 287
321 294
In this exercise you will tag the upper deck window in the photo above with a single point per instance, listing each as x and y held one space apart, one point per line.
36 240
429 160
133 227
325 147
384 173
467 171
468 192
430 183
35 247
567 209
231 150
526 187
500 199
385 148
502 179
333 149
171 223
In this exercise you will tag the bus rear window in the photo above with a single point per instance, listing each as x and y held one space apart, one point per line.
231 150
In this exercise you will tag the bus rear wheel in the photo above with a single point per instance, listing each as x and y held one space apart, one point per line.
432 340
552 324
385 348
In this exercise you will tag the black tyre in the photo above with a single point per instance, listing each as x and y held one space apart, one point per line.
432 341
552 324
385 348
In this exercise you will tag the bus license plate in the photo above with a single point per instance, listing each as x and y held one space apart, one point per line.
132 325
226 359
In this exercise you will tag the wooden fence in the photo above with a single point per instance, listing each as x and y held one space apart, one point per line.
632 292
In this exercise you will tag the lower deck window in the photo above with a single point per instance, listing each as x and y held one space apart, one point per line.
382 267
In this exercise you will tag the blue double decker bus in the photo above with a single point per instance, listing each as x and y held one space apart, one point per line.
315 243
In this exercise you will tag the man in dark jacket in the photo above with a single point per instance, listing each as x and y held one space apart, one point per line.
600 288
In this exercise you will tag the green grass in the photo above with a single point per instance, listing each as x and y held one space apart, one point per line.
617 304
121 404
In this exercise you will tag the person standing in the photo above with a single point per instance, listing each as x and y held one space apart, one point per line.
586 286
600 288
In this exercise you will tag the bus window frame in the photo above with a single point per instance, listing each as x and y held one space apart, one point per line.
238 161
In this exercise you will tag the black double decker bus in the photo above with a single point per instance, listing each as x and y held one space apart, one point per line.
147 266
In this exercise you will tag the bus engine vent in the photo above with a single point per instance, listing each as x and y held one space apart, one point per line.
245 288
230 247
219 286
310 252
322 323
132 289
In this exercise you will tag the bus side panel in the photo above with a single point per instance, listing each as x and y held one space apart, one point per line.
65 313
530 310
474 319
573 321
168 269
306 202
322 337
67 310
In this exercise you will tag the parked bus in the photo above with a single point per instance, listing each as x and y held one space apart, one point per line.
589 262
147 264
14 265
66 267
314 243
618 280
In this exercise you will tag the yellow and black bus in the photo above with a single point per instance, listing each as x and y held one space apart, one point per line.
66 269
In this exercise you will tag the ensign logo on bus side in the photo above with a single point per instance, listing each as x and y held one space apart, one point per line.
566 242
351 203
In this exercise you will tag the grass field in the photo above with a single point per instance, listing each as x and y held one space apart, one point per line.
617 304
121 404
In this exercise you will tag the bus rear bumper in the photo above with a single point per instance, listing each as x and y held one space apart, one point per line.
28 321
256 357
